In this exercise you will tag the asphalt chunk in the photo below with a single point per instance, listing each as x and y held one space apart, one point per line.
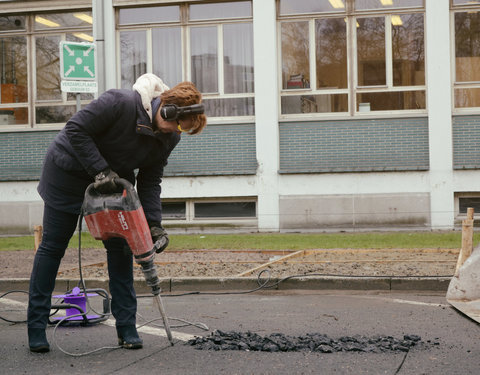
310 342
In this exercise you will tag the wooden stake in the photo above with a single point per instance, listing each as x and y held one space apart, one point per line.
467 239
37 235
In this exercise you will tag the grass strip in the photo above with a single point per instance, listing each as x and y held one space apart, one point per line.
280 241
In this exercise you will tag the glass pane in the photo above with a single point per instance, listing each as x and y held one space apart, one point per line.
13 116
461 2
173 210
384 4
467 47
54 114
48 67
295 53
85 37
13 70
314 104
408 50
149 15
467 98
390 101
133 52
83 96
220 10
167 65
238 58
331 53
465 203
203 49
8 23
229 107
225 209
371 51
310 6
56 20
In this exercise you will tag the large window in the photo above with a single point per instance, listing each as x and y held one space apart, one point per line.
466 21
209 44
352 56
37 99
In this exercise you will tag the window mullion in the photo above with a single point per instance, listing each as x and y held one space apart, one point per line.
148 39
352 64
312 57
388 51
221 80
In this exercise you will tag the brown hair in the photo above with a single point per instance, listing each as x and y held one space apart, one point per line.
183 94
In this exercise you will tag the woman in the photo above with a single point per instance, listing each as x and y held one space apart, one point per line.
113 136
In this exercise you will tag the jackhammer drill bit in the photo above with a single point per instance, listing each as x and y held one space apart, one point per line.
151 277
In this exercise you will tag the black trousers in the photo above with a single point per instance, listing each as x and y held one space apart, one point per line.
58 228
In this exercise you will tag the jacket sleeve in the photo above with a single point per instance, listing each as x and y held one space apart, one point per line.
83 127
148 184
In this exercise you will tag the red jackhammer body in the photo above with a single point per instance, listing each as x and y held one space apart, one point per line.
120 214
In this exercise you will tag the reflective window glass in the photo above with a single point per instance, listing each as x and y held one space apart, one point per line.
204 58
225 209
13 70
371 51
149 15
314 103
12 23
391 101
465 2
408 50
13 116
173 210
465 98
133 51
60 20
167 66
79 37
54 114
238 58
48 67
331 53
295 55
311 6
467 46
229 107
220 10
387 4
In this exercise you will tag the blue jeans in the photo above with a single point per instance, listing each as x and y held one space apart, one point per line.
58 228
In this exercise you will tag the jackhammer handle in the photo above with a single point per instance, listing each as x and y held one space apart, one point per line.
120 182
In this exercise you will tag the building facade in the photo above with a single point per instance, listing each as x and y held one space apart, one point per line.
322 114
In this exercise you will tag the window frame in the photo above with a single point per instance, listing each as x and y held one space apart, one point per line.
185 26
456 84
31 34
350 15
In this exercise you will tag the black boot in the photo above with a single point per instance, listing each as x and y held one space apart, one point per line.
37 340
128 337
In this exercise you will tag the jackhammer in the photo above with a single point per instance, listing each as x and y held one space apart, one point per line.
120 214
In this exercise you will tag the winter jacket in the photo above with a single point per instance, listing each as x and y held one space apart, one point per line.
113 131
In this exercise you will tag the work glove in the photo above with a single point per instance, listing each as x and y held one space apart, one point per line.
159 237
105 181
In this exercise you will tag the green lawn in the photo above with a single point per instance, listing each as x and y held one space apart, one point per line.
276 241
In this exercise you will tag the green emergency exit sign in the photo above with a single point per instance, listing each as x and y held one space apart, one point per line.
77 61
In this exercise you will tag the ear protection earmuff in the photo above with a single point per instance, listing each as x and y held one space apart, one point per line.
171 112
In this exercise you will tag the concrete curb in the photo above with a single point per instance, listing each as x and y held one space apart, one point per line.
194 284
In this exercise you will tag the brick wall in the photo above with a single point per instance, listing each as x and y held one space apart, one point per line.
354 145
218 150
466 142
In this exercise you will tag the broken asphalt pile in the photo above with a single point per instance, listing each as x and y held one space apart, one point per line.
311 342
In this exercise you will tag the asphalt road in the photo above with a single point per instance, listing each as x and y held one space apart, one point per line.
450 340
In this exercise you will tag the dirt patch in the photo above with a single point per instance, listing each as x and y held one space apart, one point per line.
229 263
